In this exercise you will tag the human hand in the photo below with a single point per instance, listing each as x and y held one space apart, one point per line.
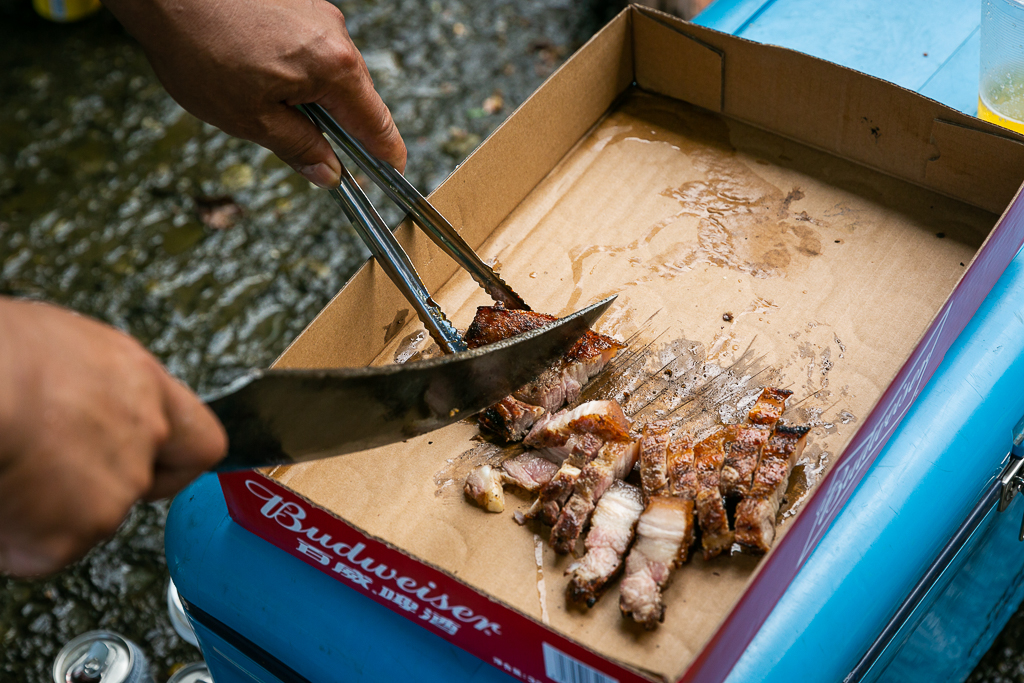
89 423
243 66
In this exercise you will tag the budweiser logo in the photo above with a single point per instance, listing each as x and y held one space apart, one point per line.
352 563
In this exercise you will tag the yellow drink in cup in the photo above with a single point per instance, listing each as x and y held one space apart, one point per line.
1001 82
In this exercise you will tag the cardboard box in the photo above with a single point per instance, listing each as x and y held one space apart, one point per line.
848 227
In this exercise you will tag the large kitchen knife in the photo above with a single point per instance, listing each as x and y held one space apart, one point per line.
279 417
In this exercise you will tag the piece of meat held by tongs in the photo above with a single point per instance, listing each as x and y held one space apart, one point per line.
514 417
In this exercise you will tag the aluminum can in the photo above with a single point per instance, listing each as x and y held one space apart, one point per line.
192 673
101 657
65 11
179 621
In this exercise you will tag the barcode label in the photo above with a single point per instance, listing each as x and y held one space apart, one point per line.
562 668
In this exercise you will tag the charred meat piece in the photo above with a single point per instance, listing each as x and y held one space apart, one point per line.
653 459
553 495
611 530
769 407
663 536
614 461
603 419
708 457
559 384
579 450
510 419
483 487
743 449
755 515
494 323
552 389
528 471
682 484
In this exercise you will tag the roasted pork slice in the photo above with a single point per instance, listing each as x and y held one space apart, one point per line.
769 406
663 535
558 385
708 457
529 471
653 458
553 495
611 530
755 515
552 389
494 323
579 450
614 461
682 484
510 419
603 419
743 446
483 487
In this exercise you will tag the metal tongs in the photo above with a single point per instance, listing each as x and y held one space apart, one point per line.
386 249
285 416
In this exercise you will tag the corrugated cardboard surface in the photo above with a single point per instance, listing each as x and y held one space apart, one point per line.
829 269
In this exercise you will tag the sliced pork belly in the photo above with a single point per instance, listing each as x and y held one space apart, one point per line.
611 530
743 449
653 458
755 515
769 407
663 535
708 457
579 450
510 419
614 461
553 495
529 471
682 484
558 385
483 487
603 419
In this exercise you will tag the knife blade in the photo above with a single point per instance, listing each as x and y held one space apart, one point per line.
287 416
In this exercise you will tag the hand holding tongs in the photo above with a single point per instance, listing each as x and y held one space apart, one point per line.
386 249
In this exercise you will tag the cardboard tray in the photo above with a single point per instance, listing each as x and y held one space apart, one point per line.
763 210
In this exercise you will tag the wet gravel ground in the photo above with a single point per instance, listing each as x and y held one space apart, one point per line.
117 203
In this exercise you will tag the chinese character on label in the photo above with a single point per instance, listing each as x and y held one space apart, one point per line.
353 575
405 602
386 593
445 624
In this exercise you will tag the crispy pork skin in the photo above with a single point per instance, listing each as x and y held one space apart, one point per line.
611 530
614 461
682 484
510 419
755 515
664 528
560 384
483 487
603 419
494 323
708 457
743 449
653 458
769 406
529 471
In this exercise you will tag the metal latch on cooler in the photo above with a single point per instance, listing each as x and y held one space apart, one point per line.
1011 481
